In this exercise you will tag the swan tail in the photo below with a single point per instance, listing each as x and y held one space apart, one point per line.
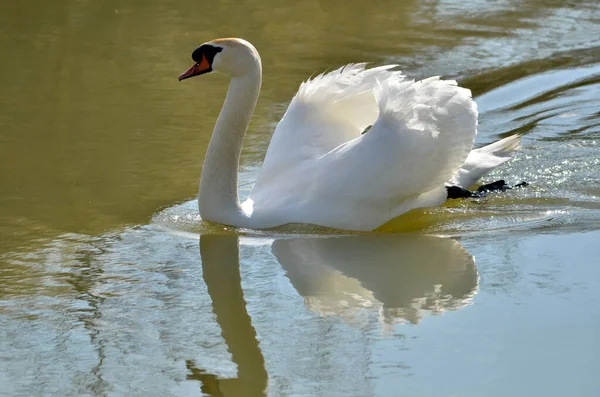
504 148
483 160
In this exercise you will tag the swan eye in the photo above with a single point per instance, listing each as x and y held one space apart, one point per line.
207 51
203 57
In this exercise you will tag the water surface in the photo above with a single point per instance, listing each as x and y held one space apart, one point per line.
111 285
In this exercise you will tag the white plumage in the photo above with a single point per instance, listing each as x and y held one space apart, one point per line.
319 168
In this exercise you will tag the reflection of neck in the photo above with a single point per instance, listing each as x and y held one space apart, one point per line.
221 272
218 195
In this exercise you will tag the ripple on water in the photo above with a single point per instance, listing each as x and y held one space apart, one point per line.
558 114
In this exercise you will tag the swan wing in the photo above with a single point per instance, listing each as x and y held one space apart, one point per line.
327 111
422 135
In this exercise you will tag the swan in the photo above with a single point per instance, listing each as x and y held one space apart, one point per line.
356 147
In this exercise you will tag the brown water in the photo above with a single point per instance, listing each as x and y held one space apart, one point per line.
105 289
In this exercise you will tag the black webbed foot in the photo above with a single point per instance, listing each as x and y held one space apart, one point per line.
498 186
455 192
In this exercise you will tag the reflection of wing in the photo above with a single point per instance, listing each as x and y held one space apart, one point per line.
408 275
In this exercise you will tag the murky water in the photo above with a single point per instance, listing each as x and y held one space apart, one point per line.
105 288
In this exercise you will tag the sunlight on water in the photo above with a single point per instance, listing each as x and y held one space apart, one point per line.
111 284
553 99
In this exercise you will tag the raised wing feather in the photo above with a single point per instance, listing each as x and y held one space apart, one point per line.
319 168
327 111
424 133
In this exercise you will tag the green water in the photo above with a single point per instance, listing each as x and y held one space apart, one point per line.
106 288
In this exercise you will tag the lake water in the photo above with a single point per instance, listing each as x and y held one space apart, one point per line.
110 284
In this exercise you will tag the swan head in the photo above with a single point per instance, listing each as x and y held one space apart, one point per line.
232 56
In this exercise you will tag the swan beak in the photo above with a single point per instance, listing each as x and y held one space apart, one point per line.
197 69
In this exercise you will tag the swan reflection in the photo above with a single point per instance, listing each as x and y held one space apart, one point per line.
221 273
403 277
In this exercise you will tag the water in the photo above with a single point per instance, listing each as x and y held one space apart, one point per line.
106 289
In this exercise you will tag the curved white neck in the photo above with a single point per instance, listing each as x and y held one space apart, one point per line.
218 195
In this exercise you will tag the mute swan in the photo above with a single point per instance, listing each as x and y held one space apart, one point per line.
321 167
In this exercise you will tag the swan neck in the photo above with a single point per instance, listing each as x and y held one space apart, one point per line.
218 195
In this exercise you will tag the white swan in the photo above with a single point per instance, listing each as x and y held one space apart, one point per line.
320 167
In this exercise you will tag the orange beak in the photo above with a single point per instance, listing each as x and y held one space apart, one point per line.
196 69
